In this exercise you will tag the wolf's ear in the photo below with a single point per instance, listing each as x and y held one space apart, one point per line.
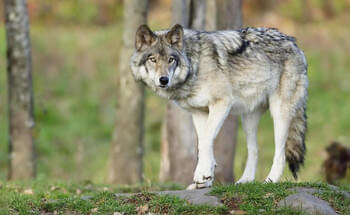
175 36
144 37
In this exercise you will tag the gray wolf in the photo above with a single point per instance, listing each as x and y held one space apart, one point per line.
244 72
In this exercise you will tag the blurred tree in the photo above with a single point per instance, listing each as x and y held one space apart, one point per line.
127 145
228 15
328 8
307 11
19 70
179 155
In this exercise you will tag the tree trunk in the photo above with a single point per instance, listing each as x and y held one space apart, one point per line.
179 153
127 144
307 11
225 14
197 16
328 8
228 15
20 88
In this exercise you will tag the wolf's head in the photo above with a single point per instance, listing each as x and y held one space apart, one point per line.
159 59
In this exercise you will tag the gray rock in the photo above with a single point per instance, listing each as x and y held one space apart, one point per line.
303 190
313 190
346 194
198 197
307 203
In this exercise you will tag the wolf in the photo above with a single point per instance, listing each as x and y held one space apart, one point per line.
241 72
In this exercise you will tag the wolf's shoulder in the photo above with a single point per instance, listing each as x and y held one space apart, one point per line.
229 40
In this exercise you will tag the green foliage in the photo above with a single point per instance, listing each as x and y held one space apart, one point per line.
41 196
99 12
75 72
74 100
258 198
3 107
308 10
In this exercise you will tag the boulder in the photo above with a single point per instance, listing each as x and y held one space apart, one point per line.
308 203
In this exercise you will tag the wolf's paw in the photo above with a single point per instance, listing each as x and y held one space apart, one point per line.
273 177
196 185
204 175
244 180
270 180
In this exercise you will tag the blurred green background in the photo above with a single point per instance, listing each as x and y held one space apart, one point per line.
75 48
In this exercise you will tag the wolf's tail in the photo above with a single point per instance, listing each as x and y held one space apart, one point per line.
295 145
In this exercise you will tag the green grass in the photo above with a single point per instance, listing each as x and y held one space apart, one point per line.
81 198
257 198
45 197
75 72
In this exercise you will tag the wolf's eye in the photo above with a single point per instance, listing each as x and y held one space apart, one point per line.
171 59
152 59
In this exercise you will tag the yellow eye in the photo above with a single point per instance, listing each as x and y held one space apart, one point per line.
171 59
152 59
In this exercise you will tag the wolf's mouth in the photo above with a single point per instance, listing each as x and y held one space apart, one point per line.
163 86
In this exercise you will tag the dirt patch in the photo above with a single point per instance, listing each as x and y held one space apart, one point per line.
138 199
232 203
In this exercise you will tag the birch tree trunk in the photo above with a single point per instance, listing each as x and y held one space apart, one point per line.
127 144
20 91
179 151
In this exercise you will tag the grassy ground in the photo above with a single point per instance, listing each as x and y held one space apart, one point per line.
75 83
86 198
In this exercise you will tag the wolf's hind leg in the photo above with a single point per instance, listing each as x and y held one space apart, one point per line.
281 120
250 122
204 173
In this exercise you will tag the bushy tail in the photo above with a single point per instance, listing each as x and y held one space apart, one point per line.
295 145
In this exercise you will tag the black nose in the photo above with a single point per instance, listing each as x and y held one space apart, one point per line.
163 80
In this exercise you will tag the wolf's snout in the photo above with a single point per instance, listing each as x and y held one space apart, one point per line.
163 80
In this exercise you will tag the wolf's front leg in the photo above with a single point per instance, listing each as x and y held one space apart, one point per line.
207 128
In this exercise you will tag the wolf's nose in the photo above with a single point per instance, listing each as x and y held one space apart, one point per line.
163 80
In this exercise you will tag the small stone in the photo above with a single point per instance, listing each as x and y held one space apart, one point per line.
86 198
197 197
78 191
142 209
237 212
28 191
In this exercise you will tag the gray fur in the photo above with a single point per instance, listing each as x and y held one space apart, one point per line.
249 68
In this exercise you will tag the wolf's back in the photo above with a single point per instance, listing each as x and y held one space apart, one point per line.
274 43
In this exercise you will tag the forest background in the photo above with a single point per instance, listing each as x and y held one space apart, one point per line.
75 51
